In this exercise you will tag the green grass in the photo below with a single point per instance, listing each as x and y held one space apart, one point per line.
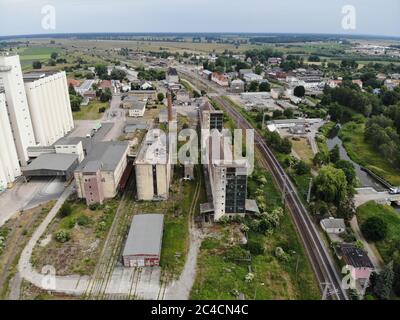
360 151
218 277
176 227
389 245
30 54
91 111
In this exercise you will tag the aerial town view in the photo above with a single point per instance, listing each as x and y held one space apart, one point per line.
199 151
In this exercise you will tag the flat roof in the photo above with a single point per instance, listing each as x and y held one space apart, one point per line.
145 235
52 161
108 153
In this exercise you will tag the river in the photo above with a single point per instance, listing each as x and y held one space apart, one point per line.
364 178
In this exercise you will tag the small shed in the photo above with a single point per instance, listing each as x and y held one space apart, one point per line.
333 225
143 245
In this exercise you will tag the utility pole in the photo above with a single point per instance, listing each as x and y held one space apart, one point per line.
309 191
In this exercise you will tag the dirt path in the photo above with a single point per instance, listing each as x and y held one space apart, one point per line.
180 289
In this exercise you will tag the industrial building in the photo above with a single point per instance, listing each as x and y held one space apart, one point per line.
153 167
211 118
227 177
17 104
143 244
35 109
99 174
49 106
52 165
9 164
172 76
237 86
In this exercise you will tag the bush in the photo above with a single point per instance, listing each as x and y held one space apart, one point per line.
83 221
302 168
102 109
255 248
63 236
374 229
65 210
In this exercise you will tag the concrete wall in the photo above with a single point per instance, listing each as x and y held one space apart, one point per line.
17 104
9 165
50 108
144 182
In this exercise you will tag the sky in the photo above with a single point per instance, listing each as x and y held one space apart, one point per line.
372 17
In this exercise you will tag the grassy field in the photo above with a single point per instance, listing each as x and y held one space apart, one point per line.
30 54
91 111
87 229
388 246
352 135
221 277
17 232
303 149
176 225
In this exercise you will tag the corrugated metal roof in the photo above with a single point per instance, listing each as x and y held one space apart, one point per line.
145 235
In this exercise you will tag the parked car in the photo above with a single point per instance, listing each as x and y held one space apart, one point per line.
394 190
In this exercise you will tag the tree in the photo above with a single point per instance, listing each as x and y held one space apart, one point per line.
334 154
54 55
264 87
117 74
76 101
384 282
160 96
105 95
196 94
348 169
299 91
101 70
253 87
36 65
65 210
302 167
321 158
374 229
331 185
288 113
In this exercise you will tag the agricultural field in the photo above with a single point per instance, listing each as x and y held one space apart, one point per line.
30 54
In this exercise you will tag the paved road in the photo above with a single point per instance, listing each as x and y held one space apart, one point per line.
370 194
24 196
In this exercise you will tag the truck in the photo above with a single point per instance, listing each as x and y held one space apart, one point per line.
97 127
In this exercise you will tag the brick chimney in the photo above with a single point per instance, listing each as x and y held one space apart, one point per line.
169 97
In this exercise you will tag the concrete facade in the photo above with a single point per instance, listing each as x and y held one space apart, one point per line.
110 160
50 108
9 165
153 169
17 105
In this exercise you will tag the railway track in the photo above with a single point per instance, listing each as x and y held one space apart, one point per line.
321 261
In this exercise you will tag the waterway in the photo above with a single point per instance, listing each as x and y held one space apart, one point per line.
364 178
